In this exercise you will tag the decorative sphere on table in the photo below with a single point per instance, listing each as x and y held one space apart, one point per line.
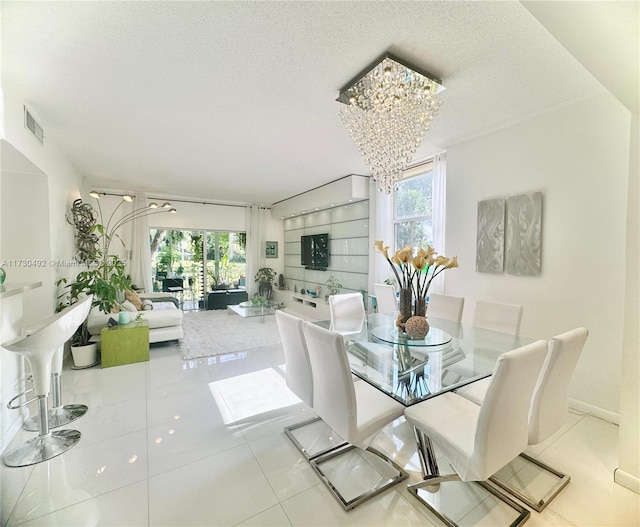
417 327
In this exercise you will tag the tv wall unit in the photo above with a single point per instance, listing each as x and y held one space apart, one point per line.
349 247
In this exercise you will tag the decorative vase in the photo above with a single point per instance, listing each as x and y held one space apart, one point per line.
406 297
420 309
417 327
123 317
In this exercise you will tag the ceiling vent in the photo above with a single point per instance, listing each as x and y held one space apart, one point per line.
31 125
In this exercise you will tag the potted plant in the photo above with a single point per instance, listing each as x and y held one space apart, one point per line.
265 277
105 278
334 286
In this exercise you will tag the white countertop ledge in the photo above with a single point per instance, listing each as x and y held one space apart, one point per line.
17 288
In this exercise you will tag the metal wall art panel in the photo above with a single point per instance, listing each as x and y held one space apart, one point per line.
524 228
490 239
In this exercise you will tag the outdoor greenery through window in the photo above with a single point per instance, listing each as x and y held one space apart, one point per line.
203 260
413 211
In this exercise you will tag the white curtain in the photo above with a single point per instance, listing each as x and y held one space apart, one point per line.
439 197
140 264
383 230
384 215
256 238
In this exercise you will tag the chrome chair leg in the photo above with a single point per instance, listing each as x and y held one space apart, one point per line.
305 450
537 504
358 500
432 480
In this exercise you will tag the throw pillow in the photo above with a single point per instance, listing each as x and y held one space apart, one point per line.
129 306
133 297
147 305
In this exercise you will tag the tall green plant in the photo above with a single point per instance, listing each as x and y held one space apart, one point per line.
105 279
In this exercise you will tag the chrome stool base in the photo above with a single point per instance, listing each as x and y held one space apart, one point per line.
41 448
58 417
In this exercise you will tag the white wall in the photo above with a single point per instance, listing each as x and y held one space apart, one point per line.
629 455
63 180
578 156
37 187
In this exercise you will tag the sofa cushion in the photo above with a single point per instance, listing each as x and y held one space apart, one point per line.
128 306
164 314
134 298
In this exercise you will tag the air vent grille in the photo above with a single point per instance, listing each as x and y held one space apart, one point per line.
31 125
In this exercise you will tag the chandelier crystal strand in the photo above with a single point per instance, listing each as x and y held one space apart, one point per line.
389 111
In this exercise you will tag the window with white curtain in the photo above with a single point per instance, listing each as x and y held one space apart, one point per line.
413 204
413 216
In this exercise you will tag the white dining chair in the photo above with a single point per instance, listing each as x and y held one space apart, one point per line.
347 313
479 440
38 347
549 408
385 298
356 411
446 307
498 316
299 379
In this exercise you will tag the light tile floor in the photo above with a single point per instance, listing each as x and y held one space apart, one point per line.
161 447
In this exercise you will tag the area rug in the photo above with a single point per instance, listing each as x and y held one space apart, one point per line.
216 332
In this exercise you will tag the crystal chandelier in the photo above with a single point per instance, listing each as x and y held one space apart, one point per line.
387 110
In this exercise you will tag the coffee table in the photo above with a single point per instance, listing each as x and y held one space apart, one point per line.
249 309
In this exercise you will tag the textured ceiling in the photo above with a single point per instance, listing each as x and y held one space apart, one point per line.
235 101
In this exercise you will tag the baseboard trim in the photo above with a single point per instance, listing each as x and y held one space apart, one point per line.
627 480
596 411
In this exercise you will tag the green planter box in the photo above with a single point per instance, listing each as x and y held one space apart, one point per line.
125 344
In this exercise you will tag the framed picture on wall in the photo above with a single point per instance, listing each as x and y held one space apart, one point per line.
271 250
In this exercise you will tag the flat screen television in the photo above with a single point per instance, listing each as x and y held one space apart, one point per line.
314 251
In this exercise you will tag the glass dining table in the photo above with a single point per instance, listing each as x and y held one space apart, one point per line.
413 370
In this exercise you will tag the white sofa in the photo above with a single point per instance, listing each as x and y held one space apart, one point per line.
165 322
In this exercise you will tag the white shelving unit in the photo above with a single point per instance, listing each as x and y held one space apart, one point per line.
303 305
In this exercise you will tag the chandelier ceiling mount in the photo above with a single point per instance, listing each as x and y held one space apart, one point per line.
388 108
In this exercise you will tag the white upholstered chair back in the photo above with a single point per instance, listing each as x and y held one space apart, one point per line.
446 307
386 298
347 313
296 357
334 398
502 429
497 316
550 405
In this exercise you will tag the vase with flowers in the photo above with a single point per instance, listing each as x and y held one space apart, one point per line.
414 274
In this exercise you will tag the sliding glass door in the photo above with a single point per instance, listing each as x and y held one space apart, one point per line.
198 261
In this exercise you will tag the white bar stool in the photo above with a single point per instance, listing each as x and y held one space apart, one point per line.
59 414
38 347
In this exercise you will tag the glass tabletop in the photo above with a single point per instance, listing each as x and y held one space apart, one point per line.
248 309
389 334
411 371
249 303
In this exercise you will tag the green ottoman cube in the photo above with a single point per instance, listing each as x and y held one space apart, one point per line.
125 344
